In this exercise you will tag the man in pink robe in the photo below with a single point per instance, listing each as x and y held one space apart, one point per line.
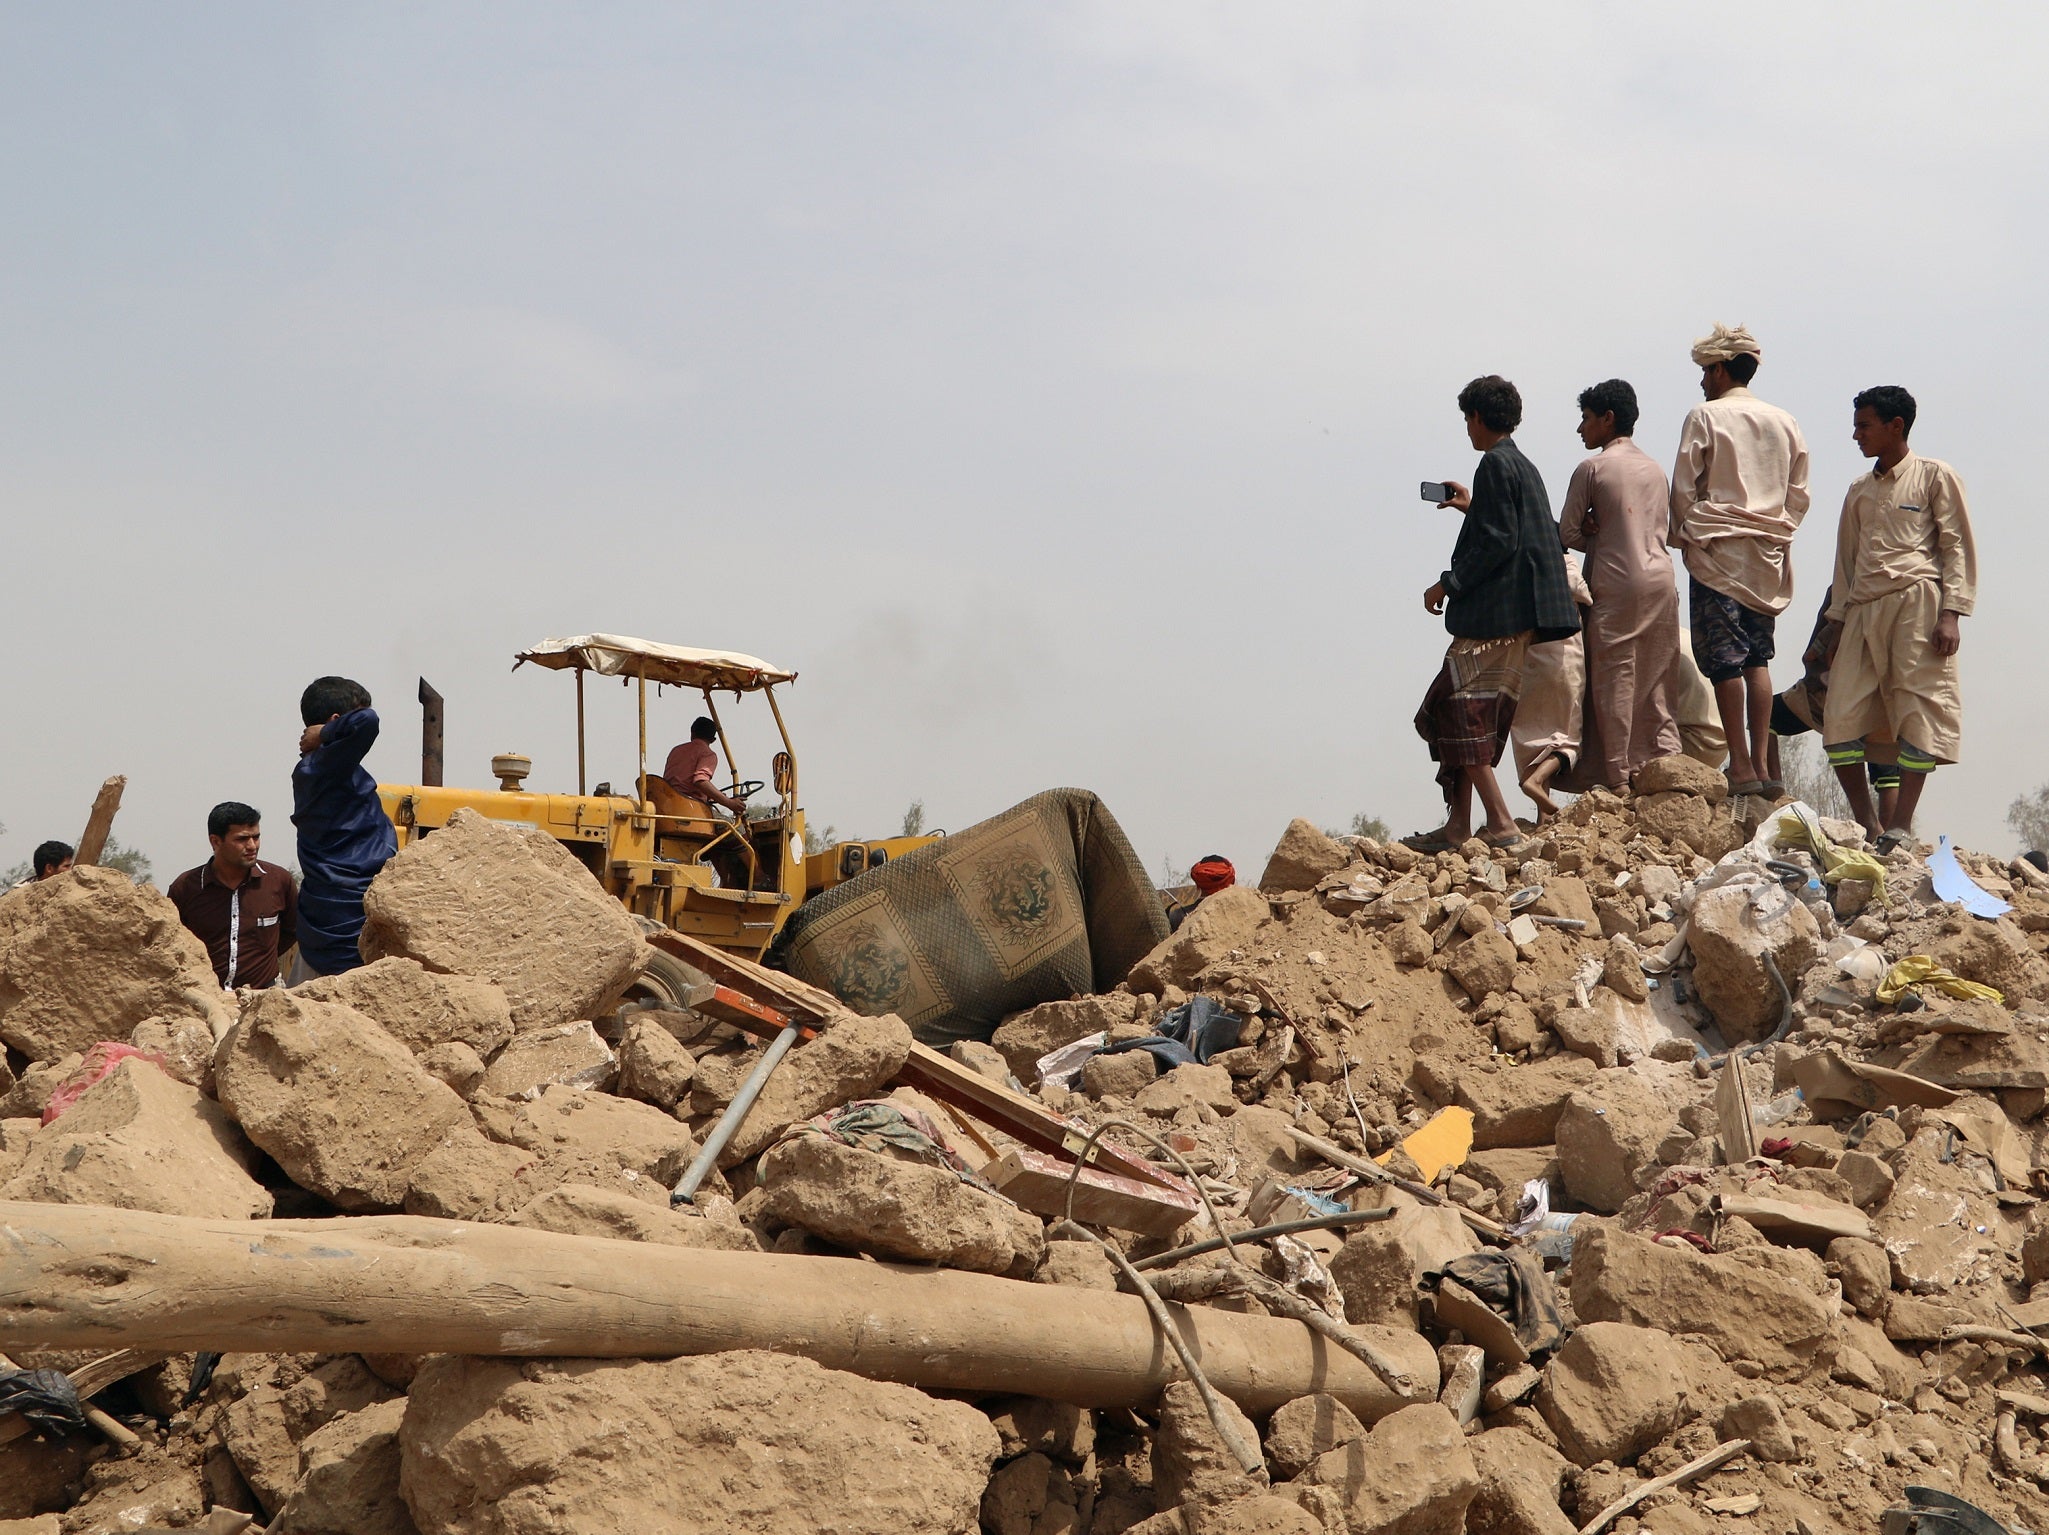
1617 510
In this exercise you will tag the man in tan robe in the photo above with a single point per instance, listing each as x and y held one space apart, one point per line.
1616 509
1739 490
1546 734
1906 572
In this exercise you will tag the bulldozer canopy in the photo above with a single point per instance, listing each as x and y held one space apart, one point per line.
621 655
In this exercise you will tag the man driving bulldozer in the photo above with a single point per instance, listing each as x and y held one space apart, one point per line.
692 768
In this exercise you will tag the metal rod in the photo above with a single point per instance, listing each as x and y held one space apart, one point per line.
640 783
579 731
1261 1233
708 1154
432 762
789 799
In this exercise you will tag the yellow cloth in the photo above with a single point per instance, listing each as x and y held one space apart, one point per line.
1724 342
1837 863
1919 970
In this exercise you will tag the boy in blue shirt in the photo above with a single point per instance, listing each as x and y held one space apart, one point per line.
344 835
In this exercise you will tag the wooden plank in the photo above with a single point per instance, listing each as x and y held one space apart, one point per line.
783 992
1039 1183
1732 1112
938 1076
92 842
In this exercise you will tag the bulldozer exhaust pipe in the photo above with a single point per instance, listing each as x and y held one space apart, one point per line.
430 735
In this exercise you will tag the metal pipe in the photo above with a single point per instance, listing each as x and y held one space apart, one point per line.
744 839
579 731
789 799
640 783
685 1192
432 762
1260 1233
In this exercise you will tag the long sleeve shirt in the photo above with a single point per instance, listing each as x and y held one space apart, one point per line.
1506 575
344 839
1626 493
1739 490
1903 526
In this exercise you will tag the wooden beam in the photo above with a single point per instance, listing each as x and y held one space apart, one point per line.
408 1285
1039 1183
92 842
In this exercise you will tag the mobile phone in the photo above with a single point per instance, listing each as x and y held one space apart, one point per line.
1436 492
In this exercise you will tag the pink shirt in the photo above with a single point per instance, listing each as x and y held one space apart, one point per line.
692 769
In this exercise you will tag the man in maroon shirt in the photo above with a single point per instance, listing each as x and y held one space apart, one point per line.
245 912
692 767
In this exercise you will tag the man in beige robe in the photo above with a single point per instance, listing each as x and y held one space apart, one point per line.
1906 572
1616 509
1739 490
1545 736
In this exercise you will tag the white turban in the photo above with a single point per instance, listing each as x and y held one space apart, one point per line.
1725 342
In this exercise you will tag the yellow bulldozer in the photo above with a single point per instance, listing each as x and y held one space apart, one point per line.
671 859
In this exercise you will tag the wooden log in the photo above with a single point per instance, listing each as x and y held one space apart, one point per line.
80 1276
92 842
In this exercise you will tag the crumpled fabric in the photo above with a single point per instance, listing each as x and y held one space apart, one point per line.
1514 1284
1191 1033
1724 342
46 1398
876 1124
1798 826
1918 970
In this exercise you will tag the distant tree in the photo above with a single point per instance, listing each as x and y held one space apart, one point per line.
1170 876
15 875
1364 825
914 819
2029 818
818 838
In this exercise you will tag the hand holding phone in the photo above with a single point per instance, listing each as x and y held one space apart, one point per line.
1436 492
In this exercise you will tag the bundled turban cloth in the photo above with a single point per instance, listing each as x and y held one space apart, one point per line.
1213 874
1724 342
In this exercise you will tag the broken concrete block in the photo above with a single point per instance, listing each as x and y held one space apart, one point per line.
566 1055
1302 857
1410 1475
87 955
653 1065
1864 1272
1773 1306
1031 1495
1676 817
1518 1106
1123 1075
1082 1264
1191 1464
1941 1226
1380 1265
1622 971
1730 938
342 1106
1482 964
985 1060
1301 1430
182 1046
752 1441
1870 1179
468 1177
350 1483
582 1211
1188 1086
138 1140
1762 1421
1024 1038
897 1209
1223 922
1031 1425
1610 1130
1613 1391
1679 774
851 1059
626 1134
418 1007
511 905
1521 1482
455 1065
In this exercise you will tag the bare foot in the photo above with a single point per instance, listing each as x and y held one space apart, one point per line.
1534 787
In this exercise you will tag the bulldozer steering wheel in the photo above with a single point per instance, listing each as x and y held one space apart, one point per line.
744 791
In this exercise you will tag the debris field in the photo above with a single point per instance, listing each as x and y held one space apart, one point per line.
1636 1184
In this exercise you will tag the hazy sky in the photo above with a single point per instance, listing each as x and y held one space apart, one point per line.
1048 384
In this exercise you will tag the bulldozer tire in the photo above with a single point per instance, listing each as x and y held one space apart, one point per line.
666 981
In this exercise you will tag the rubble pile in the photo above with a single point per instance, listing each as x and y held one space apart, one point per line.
1695 1196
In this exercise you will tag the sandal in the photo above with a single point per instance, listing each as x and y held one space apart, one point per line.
1745 788
1888 840
1429 842
1771 788
1504 840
